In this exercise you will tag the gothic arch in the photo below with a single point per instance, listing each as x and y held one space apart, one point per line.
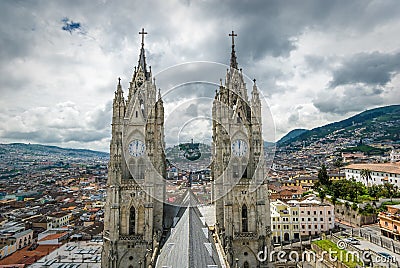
142 107
244 218
132 220
246 254
126 261
286 237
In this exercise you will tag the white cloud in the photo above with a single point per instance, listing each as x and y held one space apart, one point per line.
56 86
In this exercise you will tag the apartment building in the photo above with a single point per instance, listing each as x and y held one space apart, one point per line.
294 219
380 173
315 217
389 222
58 219
284 221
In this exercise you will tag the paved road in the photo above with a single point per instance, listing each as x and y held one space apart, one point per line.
366 245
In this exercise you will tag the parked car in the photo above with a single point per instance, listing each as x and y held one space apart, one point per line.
386 255
352 240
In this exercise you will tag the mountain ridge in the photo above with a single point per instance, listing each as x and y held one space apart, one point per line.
291 135
382 123
51 149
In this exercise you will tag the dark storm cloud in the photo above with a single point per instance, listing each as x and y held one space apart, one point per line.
17 30
272 27
38 59
368 68
102 116
353 99
41 136
47 135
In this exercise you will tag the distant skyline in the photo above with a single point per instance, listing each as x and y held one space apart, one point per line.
315 61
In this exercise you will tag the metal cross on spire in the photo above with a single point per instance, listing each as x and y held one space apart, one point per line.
142 33
233 54
233 37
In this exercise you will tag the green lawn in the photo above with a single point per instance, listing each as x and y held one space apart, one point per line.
341 254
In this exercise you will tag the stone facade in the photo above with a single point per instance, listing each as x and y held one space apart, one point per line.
135 212
353 217
239 191
133 221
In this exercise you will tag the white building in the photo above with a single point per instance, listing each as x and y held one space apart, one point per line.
315 217
58 219
73 255
300 218
284 221
380 173
394 156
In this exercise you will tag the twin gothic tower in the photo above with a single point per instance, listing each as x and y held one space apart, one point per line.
137 222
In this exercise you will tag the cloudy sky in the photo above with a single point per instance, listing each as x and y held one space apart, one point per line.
315 61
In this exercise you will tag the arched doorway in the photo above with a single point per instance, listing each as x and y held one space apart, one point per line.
286 237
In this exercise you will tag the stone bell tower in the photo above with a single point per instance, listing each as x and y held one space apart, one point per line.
133 220
240 193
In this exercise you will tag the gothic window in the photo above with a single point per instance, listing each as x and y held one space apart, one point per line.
244 170
142 107
132 219
139 171
235 167
246 265
239 118
244 219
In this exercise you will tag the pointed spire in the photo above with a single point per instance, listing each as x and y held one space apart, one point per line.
119 94
142 57
254 85
254 93
233 54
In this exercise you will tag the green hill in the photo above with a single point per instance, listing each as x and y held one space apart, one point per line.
48 150
379 124
293 134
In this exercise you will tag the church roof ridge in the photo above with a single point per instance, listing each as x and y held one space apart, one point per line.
190 243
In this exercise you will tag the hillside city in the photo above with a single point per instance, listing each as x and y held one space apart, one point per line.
342 184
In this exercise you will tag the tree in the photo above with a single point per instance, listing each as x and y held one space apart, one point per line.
355 189
366 174
390 190
375 191
323 176
334 199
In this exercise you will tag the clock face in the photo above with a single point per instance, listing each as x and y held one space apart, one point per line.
136 148
239 148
